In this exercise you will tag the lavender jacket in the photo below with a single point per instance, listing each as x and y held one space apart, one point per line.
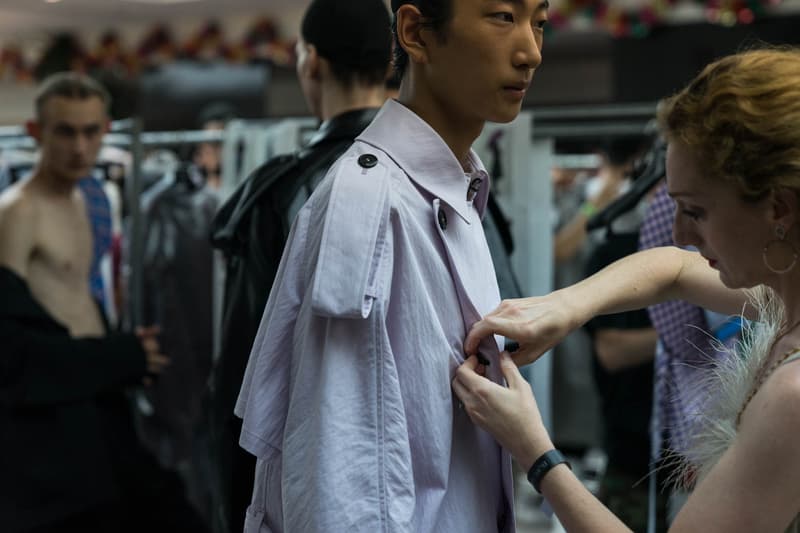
346 399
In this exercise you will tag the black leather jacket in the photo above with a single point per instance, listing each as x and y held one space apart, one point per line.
251 229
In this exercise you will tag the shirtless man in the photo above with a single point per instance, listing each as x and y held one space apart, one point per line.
46 237
61 372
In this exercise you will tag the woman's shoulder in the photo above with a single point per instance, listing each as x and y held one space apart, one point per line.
783 386
777 406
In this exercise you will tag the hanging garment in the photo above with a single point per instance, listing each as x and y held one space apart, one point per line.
177 295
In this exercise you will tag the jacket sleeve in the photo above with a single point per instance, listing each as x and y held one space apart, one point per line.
353 429
324 410
50 367
347 460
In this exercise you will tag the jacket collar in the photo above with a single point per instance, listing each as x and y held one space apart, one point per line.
425 157
343 126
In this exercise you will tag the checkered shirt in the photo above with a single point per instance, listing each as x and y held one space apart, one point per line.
686 349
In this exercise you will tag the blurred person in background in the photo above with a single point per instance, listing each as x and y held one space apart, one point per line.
71 459
623 348
208 155
577 424
343 76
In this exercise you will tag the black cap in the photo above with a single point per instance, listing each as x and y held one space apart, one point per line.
352 33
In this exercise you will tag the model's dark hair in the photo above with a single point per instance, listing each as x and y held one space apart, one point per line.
437 13
70 85
354 36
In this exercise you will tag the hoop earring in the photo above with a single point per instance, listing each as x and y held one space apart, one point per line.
780 240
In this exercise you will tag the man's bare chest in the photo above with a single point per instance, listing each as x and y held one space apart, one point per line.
64 243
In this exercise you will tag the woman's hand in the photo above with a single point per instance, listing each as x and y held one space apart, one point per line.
509 414
537 324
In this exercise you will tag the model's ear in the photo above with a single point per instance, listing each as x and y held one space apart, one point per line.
34 129
313 62
410 27
307 60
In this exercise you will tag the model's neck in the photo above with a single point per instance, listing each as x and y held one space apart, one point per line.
52 184
456 130
337 99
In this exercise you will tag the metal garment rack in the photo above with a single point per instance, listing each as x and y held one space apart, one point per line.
137 141
246 144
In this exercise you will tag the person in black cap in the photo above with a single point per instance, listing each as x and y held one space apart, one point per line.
346 399
343 59
208 155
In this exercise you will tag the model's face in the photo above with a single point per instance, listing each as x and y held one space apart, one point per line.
209 154
712 216
483 67
70 133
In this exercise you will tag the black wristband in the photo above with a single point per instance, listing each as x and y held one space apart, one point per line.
543 465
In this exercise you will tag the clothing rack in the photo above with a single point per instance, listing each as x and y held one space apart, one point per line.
576 161
138 140
249 144
592 122
246 144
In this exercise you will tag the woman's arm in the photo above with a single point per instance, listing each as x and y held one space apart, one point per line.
753 487
636 281
512 416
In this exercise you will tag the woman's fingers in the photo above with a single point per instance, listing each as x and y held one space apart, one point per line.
510 370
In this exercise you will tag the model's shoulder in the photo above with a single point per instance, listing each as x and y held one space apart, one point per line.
363 165
18 204
358 179
19 223
784 388
353 237
358 186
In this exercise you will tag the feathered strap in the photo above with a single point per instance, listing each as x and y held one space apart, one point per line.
730 381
